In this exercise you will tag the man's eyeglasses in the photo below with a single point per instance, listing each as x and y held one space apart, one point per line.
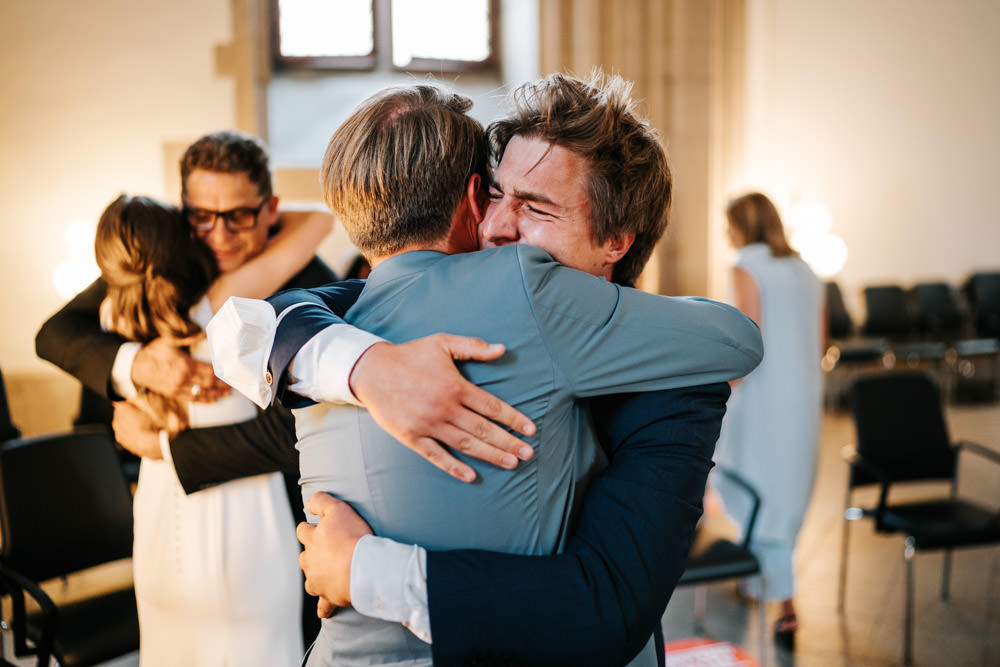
238 219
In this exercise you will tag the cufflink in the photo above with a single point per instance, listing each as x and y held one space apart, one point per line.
268 378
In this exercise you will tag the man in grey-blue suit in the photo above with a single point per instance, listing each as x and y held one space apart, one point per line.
410 205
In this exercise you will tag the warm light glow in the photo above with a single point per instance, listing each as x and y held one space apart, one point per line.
808 226
79 269
805 220
72 275
825 253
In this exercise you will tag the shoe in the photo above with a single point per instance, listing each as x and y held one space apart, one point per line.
784 631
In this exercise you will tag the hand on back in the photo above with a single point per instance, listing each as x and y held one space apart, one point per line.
414 391
135 431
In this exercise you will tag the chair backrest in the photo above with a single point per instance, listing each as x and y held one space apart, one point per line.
983 290
7 428
888 312
64 503
938 311
838 319
900 426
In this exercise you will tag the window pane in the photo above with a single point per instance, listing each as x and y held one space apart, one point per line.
440 30
316 28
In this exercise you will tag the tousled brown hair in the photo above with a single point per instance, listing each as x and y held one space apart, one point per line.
396 170
629 184
229 152
757 220
155 271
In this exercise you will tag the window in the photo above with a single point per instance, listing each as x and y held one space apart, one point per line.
411 35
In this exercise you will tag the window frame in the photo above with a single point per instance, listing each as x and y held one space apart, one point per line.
381 57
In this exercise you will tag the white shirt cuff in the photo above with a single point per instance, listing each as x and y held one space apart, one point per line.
240 337
121 370
389 582
165 448
322 368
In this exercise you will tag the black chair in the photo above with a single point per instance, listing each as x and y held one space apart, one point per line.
64 508
983 292
7 428
721 559
902 437
847 353
890 314
938 314
972 363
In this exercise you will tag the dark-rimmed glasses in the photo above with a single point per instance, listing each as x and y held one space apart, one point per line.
238 219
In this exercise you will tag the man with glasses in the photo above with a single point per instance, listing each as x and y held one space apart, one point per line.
229 200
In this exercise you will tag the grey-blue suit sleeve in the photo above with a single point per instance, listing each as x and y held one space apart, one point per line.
608 339
302 314
599 601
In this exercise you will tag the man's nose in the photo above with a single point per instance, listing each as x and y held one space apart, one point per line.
499 225
219 234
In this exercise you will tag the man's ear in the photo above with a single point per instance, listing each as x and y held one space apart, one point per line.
271 211
616 246
477 197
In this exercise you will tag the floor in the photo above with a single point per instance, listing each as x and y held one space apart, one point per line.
962 632
965 631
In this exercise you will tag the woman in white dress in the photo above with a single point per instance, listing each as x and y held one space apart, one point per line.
216 572
770 434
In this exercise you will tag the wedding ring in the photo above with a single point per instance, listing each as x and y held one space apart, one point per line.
195 390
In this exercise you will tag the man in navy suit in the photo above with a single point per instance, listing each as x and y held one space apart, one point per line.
639 516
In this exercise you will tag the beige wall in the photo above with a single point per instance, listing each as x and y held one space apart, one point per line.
92 91
886 112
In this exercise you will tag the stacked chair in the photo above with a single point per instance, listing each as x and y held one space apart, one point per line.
890 314
973 352
983 292
931 326
848 352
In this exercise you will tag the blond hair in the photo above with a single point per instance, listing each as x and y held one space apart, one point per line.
155 271
396 170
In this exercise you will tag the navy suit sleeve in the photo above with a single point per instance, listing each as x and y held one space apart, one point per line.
73 340
309 311
599 601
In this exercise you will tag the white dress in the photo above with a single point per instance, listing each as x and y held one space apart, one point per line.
770 434
216 572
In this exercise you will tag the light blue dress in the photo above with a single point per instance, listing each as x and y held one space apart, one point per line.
770 434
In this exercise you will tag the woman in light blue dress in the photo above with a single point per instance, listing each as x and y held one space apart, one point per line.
770 434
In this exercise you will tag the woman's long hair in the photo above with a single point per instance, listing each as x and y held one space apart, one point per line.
156 271
757 220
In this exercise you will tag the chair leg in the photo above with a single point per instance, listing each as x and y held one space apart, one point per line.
700 606
908 551
842 587
946 576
